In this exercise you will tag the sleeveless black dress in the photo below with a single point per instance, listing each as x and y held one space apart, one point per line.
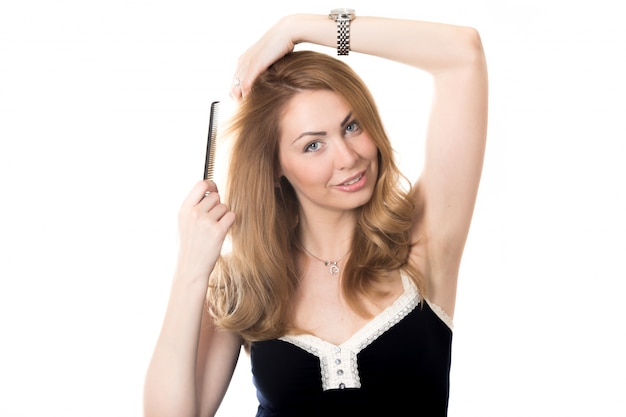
396 365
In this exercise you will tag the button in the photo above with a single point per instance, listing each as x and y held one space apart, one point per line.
337 361
342 385
339 372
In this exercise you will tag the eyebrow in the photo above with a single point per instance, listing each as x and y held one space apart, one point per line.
345 121
343 124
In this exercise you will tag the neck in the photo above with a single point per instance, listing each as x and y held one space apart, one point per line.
327 237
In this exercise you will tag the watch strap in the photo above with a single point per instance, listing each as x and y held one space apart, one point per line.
342 17
343 36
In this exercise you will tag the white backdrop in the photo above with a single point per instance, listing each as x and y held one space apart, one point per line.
103 122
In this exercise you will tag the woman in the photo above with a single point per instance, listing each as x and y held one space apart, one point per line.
342 278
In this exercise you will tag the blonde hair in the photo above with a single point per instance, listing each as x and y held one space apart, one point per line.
252 288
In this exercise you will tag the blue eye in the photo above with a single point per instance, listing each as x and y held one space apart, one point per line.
353 127
312 147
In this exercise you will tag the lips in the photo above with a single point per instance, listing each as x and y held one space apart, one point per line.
353 183
354 180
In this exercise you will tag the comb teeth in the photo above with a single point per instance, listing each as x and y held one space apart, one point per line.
209 164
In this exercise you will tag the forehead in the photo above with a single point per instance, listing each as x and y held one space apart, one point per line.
314 110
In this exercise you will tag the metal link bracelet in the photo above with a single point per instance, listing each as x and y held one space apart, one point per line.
343 37
343 18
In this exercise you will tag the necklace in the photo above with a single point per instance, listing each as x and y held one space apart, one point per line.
333 269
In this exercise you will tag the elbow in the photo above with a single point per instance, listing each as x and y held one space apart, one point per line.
160 404
472 47
165 412
464 52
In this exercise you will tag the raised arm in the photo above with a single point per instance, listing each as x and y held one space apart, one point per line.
455 147
192 363
453 55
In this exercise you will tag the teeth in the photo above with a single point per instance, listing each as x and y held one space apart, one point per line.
353 181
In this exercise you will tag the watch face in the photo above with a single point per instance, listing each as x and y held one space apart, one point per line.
342 12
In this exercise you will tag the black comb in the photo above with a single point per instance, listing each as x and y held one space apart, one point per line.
209 160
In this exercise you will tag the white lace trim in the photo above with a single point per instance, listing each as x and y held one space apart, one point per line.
339 362
441 314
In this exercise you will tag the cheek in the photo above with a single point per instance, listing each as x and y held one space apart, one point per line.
298 172
304 173
370 151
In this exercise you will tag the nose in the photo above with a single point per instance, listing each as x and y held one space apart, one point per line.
346 156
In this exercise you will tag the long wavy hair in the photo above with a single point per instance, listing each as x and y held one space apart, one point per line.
252 288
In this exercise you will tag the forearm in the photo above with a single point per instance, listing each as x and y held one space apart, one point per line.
432 47
170 386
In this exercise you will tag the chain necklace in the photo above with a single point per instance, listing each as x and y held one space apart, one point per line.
333 269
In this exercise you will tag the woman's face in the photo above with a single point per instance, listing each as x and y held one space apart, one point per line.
329 160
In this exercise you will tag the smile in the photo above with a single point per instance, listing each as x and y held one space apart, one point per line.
353 184
354 181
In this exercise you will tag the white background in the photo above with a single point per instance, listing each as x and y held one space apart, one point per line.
103 122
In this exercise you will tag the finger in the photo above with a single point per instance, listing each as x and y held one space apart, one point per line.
237 89
209 188
218 212
209 200
199 191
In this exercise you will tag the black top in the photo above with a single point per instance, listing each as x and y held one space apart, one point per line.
397 364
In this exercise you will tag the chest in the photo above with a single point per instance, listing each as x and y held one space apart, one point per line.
321 309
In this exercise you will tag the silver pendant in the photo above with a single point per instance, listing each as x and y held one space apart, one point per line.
332 267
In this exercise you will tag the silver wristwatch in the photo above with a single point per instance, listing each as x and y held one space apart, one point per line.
343 18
